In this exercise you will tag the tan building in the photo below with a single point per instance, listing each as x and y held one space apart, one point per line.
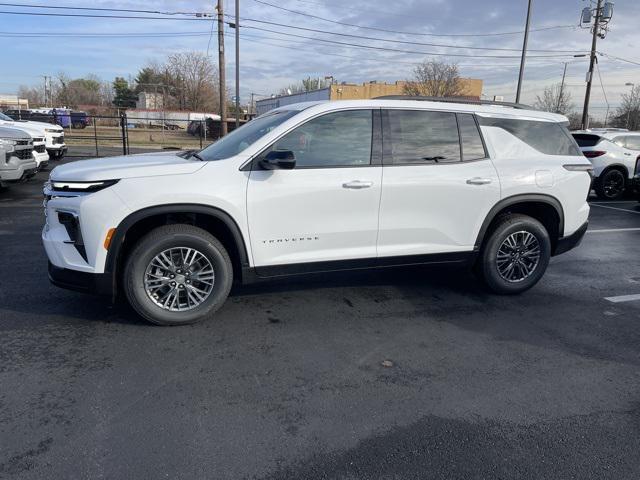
13 102
352 91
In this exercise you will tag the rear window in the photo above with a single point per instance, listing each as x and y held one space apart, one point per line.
550 138
586 140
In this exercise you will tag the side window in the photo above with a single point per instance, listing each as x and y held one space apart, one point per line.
621 141
550 138
419 136
334 139
472 147
633 142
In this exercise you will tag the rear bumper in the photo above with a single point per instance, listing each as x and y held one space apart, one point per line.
97 283
572 241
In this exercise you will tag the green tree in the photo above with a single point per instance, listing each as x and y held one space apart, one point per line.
124 96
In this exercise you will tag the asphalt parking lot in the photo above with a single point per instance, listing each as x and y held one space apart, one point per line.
288 381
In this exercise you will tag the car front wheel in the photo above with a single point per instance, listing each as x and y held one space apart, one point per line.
177 274
516 254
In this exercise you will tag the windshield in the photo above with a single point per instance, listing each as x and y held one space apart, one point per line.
4 117
240 139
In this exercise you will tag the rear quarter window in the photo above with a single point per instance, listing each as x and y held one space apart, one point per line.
586 140
550 138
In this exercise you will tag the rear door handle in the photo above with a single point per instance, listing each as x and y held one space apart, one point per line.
478 181
357 184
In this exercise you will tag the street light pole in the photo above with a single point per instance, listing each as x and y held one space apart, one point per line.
524 52
564 74
629 84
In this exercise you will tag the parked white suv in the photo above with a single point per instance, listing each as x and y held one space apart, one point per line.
317 187
615 155
53 136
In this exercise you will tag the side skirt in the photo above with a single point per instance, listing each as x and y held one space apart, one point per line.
256 274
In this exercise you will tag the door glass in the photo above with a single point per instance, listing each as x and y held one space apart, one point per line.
423 137
334 139
633 143
472 147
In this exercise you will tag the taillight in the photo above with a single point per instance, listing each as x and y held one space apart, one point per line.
593 153
637 172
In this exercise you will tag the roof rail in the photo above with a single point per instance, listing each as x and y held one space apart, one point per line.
520 106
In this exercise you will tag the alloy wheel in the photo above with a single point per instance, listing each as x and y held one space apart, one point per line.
518 256
179 279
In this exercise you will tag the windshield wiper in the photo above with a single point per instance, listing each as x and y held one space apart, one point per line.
194 154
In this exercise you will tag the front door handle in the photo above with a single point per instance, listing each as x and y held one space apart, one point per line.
478 181
357 184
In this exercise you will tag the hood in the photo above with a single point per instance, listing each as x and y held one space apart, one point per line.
39 125
130 166
28 127
13 133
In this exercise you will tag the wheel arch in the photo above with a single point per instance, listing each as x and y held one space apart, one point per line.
212 219
616 166
544 208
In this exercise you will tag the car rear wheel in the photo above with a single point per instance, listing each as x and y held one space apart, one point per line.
516 254
611 185
177 274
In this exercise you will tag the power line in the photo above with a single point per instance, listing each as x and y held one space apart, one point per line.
388 49
613 57
85 15
127 10
404 32
404 42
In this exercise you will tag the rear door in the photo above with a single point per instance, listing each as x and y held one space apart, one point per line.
438 183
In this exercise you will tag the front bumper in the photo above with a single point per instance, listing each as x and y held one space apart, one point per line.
22 171
572 241
97 283
42 159
57 150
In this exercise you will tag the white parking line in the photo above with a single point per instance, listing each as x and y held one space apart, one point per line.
616 201
616 208
623 298
612 230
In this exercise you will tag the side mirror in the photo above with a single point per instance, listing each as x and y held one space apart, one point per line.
278 160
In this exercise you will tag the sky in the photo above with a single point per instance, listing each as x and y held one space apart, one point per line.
270 61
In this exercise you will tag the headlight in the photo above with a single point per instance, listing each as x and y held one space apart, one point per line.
57 186
52 130
8 145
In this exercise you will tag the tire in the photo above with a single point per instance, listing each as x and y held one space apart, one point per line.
495 272
611 185
177 241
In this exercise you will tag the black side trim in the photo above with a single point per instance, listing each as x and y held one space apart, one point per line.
98 283
121 231
358 264
572 241
506 202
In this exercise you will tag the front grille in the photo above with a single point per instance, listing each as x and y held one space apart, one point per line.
58 140
24 154
40 148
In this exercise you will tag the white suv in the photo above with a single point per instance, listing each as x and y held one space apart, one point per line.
615 155
317 187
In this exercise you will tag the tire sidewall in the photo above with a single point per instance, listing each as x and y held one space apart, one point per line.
601 182
490 253
148 249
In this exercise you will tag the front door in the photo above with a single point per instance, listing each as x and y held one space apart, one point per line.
325 210
439 184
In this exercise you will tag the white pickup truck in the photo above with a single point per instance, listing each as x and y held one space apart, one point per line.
16 156
53 135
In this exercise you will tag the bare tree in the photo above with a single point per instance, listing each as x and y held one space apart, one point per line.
435 79
192 81
34 95
628 113
554 99
305 85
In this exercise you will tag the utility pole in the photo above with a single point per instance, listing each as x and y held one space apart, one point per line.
592 61
221 74
564 74
237 63
524 52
